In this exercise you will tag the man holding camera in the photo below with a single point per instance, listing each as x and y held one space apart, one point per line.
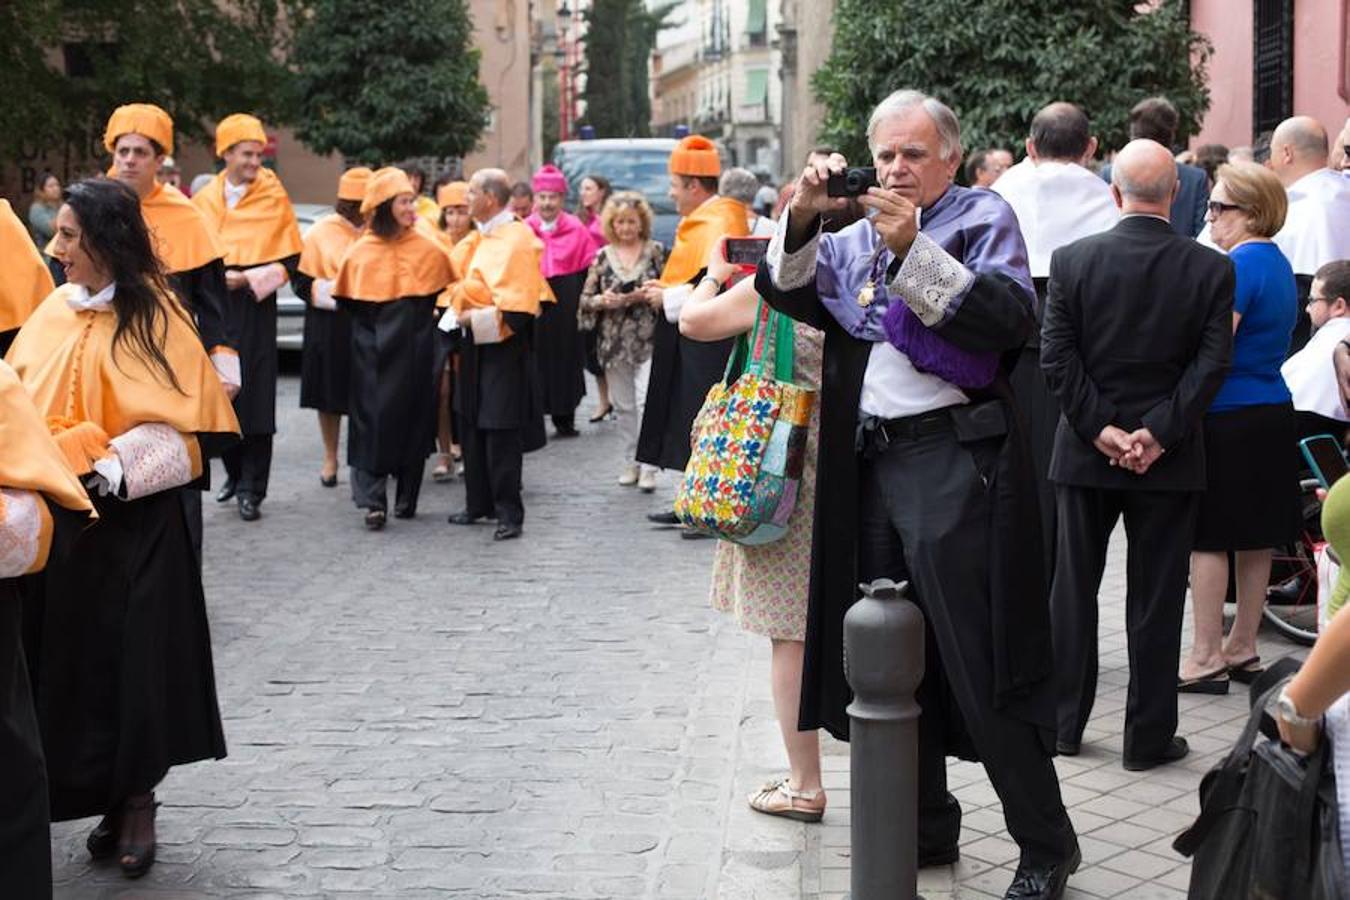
924 475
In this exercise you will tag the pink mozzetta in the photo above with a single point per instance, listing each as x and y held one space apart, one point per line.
568 246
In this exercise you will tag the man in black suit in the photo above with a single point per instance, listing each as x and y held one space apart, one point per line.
1156 119
1135 343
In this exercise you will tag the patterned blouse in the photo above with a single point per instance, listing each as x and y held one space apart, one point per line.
623 335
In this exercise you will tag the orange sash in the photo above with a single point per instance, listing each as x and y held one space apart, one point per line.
376 270
261 229
696 234
24 279
182 235
32 461
500 269
66 361
326 242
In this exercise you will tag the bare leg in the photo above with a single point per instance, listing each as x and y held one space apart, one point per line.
443 411
1209 584
1253 576
329 424
803 747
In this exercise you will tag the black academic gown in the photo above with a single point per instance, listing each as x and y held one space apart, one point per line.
1040 411
119 650
202 290
560 349
1020 614
25 833
255 323
682 372
495 387
391 400
326 359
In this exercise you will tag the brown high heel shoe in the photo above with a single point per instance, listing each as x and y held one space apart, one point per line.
136 853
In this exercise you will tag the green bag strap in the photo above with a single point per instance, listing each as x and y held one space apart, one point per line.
738 361
781 327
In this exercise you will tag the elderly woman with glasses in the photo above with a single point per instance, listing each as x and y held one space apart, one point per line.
1251 502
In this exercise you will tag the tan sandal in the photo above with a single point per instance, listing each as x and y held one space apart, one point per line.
777 799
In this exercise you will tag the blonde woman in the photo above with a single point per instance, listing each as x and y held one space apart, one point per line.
616 307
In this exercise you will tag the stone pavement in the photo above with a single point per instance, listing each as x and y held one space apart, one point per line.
424 713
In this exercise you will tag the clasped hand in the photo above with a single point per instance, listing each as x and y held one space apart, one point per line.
896 218
1135 451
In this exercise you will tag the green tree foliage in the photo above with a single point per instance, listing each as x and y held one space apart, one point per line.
382 80
996 62
199 59
620 37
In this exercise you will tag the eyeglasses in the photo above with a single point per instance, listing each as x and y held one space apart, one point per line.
1218 207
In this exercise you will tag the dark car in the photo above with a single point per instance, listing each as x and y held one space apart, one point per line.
630 164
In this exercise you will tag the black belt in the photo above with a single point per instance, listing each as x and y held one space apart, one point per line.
875 435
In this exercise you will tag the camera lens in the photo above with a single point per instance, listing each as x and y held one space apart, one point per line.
854 181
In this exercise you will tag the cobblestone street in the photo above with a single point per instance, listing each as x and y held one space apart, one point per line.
423 712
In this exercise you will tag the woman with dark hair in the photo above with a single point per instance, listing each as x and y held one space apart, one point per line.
325 368
595 192
387 284
117 635
42 212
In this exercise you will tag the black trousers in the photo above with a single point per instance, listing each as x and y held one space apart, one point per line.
371 491
25 836
925 517
493 459
1159 527
249 464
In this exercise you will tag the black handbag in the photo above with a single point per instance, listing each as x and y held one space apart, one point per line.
1268 823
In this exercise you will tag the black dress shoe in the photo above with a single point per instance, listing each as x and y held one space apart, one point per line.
944 857
690 534
404 512
1042 881
248 509
1176 749
226 491
464 517
375 519
663 518
566 433
1067 748
506 532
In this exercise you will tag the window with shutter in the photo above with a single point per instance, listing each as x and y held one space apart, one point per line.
1272 63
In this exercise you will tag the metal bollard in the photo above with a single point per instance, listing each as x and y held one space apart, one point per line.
883 661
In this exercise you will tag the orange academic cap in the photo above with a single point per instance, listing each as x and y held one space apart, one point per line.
385 184
456 193
352 184
695 155
144 119
236 128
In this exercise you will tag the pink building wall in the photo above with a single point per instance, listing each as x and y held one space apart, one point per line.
1321 59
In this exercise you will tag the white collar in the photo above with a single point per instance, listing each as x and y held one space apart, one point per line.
80 299
496 221
234 193
545 225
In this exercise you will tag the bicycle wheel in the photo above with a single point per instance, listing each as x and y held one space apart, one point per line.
1291 599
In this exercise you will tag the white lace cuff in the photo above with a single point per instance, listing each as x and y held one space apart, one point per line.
227 367
797 269
322 293
672 301
20 532
263 281
486 325
147 459
931 281
449 322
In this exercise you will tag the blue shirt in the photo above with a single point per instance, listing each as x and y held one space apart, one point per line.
1266 297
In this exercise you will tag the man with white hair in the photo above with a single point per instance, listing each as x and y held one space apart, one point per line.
1317 227
1057 201
1135 343
742 185
923 473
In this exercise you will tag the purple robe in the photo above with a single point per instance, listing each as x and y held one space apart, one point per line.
977 228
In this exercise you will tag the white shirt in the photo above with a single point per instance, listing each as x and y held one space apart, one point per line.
1317 227
234 193
1056 204
1311 376
496 222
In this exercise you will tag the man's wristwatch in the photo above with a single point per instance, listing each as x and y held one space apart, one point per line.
1286 710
